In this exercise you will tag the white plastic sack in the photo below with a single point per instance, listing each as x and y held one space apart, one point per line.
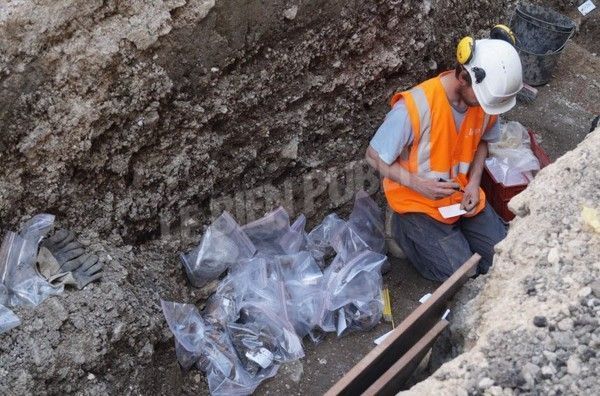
511 160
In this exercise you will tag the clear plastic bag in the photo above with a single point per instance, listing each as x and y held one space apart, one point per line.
367 220
263 337
512 135
8 319
511 160
210 349
354 291
269 301
267 231
23 284
223 244
37 227
4 293
364 230
303 280
294 240
320 238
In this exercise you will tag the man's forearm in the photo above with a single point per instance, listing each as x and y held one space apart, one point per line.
400 175
478 162
394 172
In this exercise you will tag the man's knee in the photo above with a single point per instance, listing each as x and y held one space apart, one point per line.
443 257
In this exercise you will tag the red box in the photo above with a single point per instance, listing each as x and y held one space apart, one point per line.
498 194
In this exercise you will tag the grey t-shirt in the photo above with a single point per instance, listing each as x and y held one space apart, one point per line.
395 133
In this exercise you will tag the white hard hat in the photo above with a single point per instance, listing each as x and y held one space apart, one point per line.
496 73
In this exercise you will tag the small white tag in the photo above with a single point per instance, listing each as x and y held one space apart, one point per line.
586 7
445 315
341 325
451 211
379 340
263 357
312 280
424 298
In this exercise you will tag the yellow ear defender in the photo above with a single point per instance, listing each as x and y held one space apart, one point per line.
465 50
503 32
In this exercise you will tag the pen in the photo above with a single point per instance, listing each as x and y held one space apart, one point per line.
454 188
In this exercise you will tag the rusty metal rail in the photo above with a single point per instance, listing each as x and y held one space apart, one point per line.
386 368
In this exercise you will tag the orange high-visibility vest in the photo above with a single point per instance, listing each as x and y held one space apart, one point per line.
437 150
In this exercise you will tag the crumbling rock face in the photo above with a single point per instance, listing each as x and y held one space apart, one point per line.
118 117
532 326
119 114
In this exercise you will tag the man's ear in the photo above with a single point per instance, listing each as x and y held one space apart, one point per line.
461 79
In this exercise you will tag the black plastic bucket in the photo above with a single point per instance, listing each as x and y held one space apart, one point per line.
541 34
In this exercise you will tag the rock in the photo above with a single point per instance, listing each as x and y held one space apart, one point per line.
573 365
529 373
554 256
595 286
540 321
291 13
584 292
565 324
550 356
485 383
291 149
494 391
548 371
564 340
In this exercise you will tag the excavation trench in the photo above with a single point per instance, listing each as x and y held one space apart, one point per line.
135 124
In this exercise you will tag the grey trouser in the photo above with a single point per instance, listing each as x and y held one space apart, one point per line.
436 249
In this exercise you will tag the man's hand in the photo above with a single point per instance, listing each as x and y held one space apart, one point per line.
432 189
470 198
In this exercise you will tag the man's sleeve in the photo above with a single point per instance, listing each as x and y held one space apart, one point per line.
394 134
493 134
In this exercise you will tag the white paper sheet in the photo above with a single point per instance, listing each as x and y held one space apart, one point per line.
451 211
380 339
586 7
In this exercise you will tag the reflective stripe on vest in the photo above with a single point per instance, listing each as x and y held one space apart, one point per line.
424 140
